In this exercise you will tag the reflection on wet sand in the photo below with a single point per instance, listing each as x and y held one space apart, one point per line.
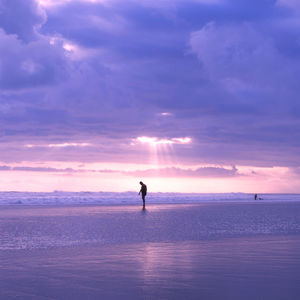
206 251
254 268
227 269
159 259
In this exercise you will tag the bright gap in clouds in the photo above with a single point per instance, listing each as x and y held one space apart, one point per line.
49 3
150 3
155 141
52 2
69 47
59 145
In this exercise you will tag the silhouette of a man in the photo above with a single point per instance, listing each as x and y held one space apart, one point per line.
144 192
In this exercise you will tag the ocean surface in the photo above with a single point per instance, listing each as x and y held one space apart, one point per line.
109 198
210 248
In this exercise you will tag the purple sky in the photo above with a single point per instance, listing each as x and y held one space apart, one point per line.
201 89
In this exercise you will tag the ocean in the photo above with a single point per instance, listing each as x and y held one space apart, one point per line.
109 198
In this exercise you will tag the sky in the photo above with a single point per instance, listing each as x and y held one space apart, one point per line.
186 95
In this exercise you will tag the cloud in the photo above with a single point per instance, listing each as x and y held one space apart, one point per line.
208 172
154 141
104 73
40 169
31 65
53 170
244 57
36 169
21 18
5 168
61 145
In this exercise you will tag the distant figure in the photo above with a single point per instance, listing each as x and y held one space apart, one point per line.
144 192
257 198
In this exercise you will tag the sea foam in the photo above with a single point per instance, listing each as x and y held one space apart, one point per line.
112 198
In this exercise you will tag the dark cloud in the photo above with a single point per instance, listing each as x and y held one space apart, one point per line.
31 65
21 18
41 169
5 168
210 172
36 169
53 170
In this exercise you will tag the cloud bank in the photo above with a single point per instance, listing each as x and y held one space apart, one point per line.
210 172
103 73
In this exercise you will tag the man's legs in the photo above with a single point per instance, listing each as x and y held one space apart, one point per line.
143 197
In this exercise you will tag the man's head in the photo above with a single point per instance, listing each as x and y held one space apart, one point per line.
141 183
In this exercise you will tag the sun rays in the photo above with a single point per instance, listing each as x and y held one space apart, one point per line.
161 150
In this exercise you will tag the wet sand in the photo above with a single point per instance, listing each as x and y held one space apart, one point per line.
207 251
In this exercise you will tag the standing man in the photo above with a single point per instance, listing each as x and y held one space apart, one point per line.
144 192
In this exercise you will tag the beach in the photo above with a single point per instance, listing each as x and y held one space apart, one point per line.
149 150
169 251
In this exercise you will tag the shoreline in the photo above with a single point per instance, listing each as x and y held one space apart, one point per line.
130 198
149 203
